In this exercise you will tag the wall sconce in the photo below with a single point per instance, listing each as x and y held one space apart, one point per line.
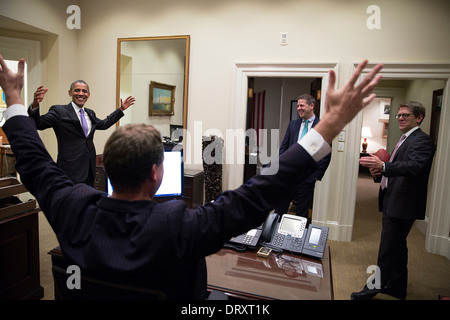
366 133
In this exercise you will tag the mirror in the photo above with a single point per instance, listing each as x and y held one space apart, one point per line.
154 70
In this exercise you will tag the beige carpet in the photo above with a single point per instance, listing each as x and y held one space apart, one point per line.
429 274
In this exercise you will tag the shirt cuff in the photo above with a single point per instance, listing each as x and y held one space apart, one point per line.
15 110
315 145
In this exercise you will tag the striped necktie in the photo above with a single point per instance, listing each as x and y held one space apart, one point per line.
384 179
305 129
84 122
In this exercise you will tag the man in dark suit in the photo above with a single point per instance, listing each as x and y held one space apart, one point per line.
303 192
402 199
76 150
129 236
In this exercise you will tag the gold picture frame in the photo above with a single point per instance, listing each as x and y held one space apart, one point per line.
162 99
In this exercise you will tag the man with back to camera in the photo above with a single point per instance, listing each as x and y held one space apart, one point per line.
402 199
303 192
161 246
74 127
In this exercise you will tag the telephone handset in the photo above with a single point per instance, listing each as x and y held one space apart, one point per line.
269 226
249 239
286 234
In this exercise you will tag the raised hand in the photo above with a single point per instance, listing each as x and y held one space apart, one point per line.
342 105
124 105
11 83
39 96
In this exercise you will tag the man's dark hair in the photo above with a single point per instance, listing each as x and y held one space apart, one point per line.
129 154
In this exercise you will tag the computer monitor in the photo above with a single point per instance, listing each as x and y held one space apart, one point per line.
172 183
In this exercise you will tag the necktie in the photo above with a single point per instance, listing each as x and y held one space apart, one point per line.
305 129
384 179
83 122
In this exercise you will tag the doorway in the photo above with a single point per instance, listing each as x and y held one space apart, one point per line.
422 80
271 105
379 118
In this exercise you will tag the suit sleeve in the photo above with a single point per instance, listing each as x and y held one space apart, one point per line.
237 211
109 120
45 121
285 143
418 156
39 173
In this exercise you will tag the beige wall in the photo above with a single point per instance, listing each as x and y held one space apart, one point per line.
226 32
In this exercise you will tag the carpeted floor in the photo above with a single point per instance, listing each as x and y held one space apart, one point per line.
429 274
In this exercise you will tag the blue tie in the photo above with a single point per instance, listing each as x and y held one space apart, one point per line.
83 122
305 129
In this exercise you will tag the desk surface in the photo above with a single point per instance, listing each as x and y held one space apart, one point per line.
280 276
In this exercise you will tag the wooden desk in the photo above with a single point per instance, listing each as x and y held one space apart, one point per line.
7 161
243 275
19 257
248 277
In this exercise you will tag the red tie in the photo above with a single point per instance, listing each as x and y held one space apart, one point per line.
384 179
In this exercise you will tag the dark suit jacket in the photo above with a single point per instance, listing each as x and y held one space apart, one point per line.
76 152
161 245
406 194
291 137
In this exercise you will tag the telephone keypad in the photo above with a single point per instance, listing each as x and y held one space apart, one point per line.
278 240
248 239
296 244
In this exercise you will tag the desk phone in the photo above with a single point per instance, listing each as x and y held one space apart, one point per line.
286 234
315 241
249 239
290 234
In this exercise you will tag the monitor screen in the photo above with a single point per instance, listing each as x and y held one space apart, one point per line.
172 183
292 225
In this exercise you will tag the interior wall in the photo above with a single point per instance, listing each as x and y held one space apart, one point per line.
216 43
224 33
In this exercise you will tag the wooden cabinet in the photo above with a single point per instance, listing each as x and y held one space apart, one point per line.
7 161
19 244
193 188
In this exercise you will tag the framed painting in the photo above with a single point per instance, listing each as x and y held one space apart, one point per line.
162 99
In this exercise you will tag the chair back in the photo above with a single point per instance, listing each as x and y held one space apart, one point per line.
99 289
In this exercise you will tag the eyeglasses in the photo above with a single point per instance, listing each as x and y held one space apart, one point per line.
403 115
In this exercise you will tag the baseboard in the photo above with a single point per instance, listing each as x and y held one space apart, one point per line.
422 225
336 231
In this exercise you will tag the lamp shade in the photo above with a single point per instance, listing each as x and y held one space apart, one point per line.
366 133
